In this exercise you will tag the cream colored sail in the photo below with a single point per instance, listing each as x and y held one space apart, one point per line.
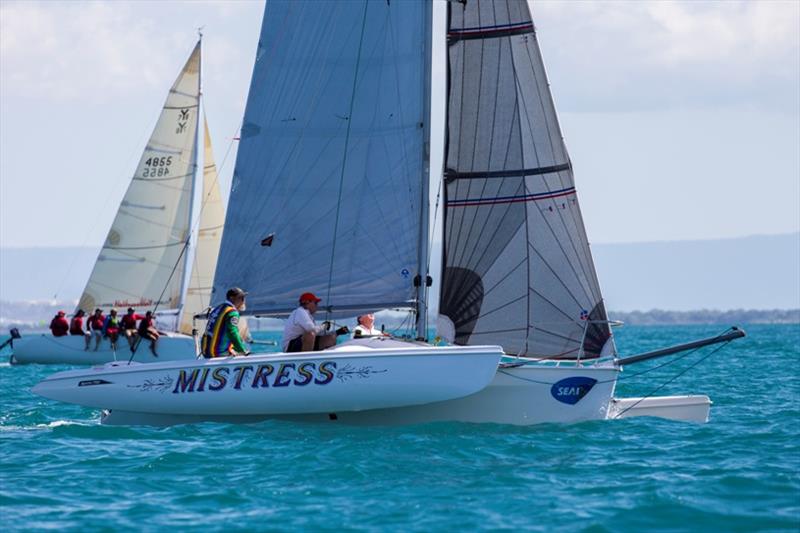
209 235
141 263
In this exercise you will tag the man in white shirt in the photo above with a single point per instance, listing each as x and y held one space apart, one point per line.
302 334
365 327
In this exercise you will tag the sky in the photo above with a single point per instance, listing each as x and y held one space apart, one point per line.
682 118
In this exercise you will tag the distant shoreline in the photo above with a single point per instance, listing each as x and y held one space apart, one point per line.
707 316
36 316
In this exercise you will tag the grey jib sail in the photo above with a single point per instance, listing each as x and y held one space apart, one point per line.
517 270
327 184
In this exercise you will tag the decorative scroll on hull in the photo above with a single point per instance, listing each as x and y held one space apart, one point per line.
326 194
141 262
517 270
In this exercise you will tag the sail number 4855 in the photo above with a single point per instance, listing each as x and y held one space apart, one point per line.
157 166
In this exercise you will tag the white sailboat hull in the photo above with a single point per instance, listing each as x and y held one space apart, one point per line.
694 408
519 396
508 399
71 350
346 379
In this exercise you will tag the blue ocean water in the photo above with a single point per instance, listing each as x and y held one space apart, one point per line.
740 472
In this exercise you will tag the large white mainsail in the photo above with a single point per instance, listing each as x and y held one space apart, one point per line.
209 236
517 270
327 194
142 261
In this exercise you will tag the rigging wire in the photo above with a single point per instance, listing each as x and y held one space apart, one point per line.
158 302
344 155
679 374
196 226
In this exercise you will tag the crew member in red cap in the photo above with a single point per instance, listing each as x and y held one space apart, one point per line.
59 325
302 334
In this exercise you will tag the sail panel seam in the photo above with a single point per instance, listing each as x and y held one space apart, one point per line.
154 247
511 199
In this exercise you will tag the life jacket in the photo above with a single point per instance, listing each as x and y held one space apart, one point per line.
59 326
215 340
129 321
113 325
97 322
76 325
146 323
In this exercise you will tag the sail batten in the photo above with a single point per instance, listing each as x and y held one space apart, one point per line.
451 175
144 251
517 270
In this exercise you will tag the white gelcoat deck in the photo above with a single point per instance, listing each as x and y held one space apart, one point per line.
70 350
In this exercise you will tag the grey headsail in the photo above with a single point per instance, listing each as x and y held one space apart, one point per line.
517 270
326 194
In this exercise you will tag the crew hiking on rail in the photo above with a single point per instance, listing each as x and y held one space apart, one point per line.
99 326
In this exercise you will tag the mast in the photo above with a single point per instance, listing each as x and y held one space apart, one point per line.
422 280
193 204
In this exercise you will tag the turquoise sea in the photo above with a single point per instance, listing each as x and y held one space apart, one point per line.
60 469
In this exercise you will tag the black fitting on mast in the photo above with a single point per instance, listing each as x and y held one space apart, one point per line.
418 280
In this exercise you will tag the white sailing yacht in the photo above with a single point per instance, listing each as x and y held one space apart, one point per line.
330 194
155 256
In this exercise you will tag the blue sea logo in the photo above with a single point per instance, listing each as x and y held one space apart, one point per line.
571 390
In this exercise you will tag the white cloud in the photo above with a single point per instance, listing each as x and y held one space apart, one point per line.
69 48
663 54
64 50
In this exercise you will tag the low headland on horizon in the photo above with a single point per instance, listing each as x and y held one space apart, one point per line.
746 280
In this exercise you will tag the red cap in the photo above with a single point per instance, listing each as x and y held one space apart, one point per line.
309 297
61 313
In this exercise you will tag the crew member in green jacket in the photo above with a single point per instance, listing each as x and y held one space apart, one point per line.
222 337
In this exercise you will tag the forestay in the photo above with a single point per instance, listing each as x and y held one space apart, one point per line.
141 262
326 194
209 236
517 269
